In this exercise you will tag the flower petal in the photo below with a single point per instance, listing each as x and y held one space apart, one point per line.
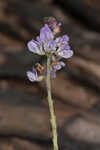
59 65
66 47
65 53
64 39
32 76
50 46
32 46
46 34
35 47
35 72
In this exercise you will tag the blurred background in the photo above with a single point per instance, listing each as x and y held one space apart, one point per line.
24 114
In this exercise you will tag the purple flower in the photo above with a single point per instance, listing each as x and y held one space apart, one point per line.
47 43
65 53
58 65
32 76
44 43
63 47
62 40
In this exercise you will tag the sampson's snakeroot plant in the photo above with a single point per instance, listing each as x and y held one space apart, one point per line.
55 48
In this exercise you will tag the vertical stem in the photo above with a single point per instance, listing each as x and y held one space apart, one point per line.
51 108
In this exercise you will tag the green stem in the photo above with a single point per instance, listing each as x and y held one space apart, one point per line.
51 108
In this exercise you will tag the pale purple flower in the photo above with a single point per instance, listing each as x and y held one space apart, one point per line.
43 43
58 65
62 40
32 76
65 53
55 68
63 47
47 43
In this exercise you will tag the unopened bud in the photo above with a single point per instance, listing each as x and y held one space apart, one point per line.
53 24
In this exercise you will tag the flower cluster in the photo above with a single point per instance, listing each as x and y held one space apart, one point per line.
47 43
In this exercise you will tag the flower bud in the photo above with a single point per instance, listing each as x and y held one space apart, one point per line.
53 24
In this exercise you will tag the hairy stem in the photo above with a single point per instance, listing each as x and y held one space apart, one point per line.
51 108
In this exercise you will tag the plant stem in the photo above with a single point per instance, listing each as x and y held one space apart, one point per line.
51 108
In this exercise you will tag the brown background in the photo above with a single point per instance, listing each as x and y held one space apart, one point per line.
24 115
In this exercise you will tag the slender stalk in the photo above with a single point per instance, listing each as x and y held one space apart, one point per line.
51 108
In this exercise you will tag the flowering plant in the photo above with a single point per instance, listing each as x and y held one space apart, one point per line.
55 48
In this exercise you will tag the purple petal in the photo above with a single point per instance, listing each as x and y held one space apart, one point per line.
38 39
63 48
34 47
50 46
64 39
59 65
65 53
46 34
66 47
35 72
32 76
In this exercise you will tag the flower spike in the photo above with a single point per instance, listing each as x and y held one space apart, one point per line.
55 48
47 43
